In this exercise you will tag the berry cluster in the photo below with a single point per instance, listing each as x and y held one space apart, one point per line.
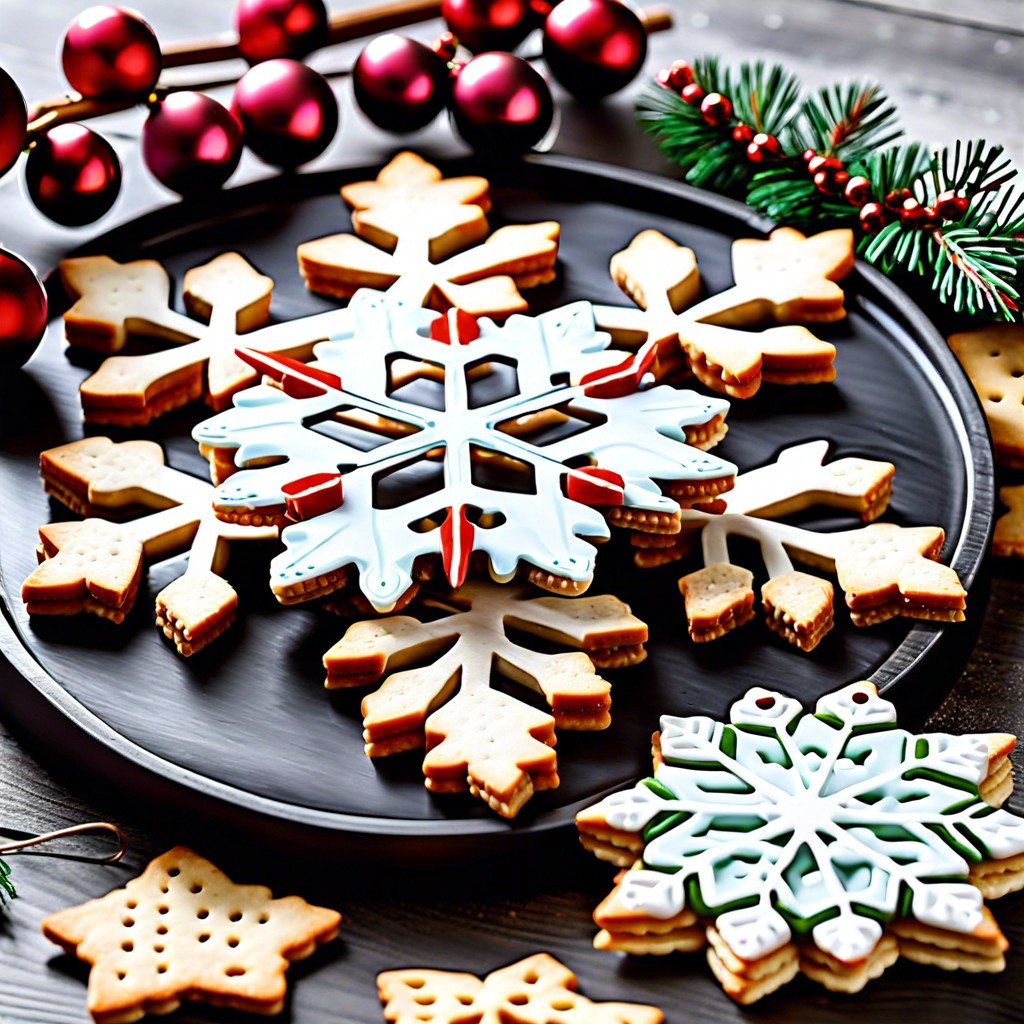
827 171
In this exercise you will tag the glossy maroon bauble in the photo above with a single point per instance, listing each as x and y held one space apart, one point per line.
400 84
73 175
287 111
594 47
279 28
490 24
111 52
13 121
22 311
500 104
191 143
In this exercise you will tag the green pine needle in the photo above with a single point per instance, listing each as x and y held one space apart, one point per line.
790 197
7 890
848 121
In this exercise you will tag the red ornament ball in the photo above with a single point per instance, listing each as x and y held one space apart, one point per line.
594 47
111 52
500 104
22 311
13 122
679 75
400 84
490 24
279 28
73 175
191 143
716 109
288 112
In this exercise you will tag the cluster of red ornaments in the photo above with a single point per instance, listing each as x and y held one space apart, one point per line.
827 172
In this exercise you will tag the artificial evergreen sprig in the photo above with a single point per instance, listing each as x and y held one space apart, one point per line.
833 159
7 890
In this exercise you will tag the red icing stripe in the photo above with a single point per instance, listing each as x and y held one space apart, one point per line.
456 545
621 379
592 485
455 327
313 495
297 379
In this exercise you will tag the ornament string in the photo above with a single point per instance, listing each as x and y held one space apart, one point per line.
27 840
354 25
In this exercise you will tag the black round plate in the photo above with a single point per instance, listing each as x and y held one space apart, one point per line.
244 732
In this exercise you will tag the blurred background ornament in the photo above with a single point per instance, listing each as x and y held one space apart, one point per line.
491 24
400 84
13 122
22 310
287 111
501 104
111 52
191 143
280 28
73 174
594 47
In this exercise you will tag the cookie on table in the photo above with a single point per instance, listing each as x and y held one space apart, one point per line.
828 843
537 988
183 930
993 357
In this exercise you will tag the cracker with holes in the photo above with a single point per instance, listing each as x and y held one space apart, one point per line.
425 238
1008 536
495 745
537 988
183 930
828 843
993 357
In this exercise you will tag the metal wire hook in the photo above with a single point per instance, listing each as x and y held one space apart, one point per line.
89 828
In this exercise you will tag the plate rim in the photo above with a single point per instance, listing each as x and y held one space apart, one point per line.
919 642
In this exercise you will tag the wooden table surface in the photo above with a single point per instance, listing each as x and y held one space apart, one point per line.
955 70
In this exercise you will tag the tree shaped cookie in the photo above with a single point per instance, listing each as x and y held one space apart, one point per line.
226 299
787 279
534 990
95 565
425 238
828 843
183 930
498 747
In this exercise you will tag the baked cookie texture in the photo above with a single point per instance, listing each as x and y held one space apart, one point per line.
826 843
182 931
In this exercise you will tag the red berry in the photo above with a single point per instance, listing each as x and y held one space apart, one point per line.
872 218
839 180
763 145
816 163
692 94
895 199
858 190
716 109
808 155
742 133
822 182
679 75
912 212
951 206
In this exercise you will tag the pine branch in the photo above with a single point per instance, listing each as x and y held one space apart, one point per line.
898 168
849 121
7 890
787 194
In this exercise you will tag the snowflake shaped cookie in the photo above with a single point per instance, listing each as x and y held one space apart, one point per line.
458 436
828 843
786 279
491 743
535 989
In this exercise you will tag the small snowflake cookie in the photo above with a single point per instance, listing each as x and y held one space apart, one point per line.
538 988
829 843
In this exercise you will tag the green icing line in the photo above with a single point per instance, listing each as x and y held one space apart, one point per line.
659 789
664 822
729 741
921 747
695 901
944 778
968 851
